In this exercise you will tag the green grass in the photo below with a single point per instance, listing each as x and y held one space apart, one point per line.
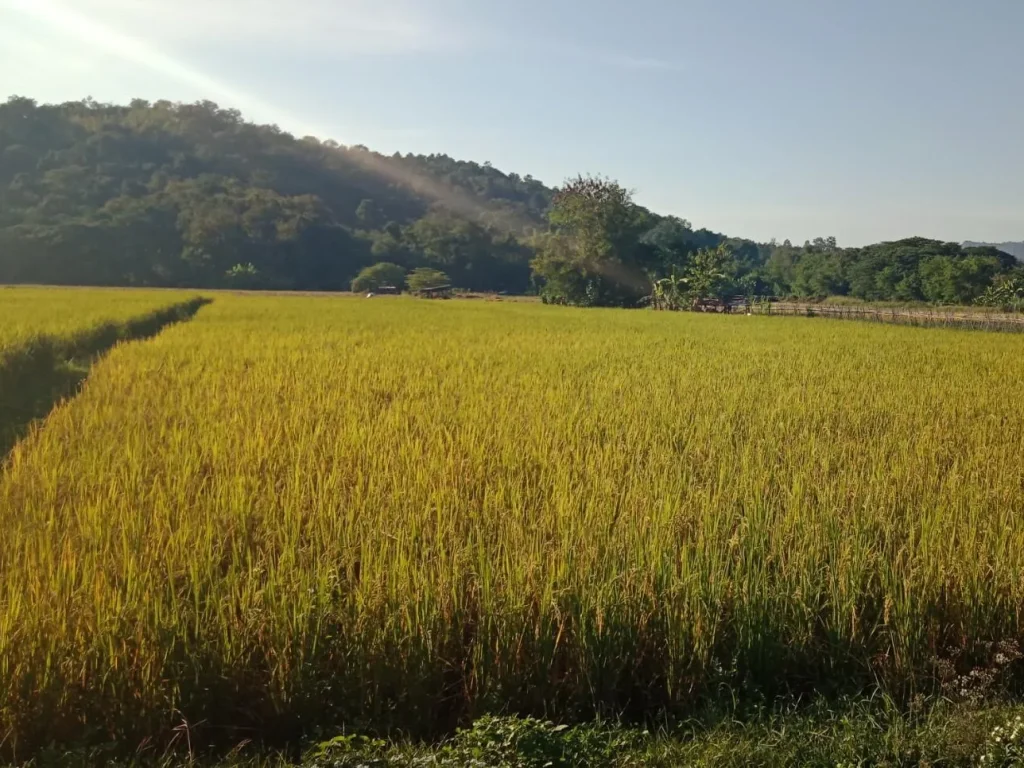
852 733
398 516
844 734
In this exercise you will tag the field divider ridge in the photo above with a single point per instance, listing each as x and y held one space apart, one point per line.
37 375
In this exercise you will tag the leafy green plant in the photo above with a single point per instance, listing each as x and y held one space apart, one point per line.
242 276
425 277
1007 293
511 742
493 742
383 273
1005 745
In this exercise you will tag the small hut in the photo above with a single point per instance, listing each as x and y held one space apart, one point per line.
435 292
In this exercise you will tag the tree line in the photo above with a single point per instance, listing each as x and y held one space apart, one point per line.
603 249
168 194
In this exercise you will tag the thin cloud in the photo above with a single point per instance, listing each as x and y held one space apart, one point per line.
343 27
105 40
91 33
625 61
16 49
614 59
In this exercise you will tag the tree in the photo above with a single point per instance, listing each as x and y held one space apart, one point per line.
915 269
592 255
891 271
673 243
369 214
818 274
425 277
1007 293
373 277
710 274
670 293
243 276
946 280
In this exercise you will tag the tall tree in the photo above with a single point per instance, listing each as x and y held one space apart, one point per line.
711 273
592 254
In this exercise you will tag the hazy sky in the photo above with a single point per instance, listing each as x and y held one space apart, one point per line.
866 119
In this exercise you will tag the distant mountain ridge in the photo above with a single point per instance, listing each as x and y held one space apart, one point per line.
1014 249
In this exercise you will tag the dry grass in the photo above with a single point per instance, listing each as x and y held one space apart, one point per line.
291 512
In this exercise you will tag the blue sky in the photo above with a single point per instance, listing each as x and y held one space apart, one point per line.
867 120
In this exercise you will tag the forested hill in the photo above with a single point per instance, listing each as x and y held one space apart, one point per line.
191 194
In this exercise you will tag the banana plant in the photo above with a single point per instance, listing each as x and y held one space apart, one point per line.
669 292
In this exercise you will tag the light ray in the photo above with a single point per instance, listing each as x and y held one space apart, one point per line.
94 34
110 41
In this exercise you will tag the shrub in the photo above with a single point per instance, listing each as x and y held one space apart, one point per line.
382 273
424 277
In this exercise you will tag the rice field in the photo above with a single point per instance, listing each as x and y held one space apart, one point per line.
63 313
302 512
49 335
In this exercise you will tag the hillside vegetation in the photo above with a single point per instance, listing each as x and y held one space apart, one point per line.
178 194
192 195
